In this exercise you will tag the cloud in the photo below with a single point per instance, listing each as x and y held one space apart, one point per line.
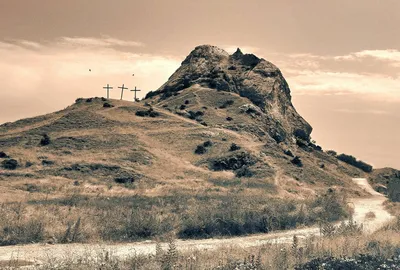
98 42
382 55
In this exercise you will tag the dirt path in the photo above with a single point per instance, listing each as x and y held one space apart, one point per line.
39 252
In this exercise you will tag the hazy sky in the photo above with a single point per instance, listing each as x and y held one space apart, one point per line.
341 58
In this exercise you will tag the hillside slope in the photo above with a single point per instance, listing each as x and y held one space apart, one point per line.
206 157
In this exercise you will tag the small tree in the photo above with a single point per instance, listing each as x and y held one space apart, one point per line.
45 140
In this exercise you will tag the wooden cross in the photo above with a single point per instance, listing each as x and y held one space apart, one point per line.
122 90
135 90
108 89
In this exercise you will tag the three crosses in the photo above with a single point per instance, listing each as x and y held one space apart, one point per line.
108 87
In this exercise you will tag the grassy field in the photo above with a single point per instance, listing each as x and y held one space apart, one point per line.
349 248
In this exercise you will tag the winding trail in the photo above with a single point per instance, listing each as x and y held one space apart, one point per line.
37 253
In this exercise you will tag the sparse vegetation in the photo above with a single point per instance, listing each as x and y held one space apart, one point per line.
297 161
45 140
149 113
9 164
107 105
227 103
234 147
354 162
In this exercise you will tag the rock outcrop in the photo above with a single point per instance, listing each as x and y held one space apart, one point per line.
247 75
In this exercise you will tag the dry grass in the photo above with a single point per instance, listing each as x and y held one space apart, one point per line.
79 217
383 244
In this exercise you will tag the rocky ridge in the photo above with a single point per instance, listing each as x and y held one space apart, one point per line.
247 75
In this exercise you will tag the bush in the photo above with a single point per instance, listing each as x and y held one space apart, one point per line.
354 162
244 172
229 118
9 164
232 162
107 105
207 144
149 113
182 107
227 103
234 147
297 161
3 155
331 153
288 153
45 140
200 149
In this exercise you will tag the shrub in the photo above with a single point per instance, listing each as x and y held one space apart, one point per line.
297 161
232 162
9 164
234 147
288 153
207 144
149 113
107 105
200 149
45 140
229 118
244 172
124 179
46 162
354 162
187 102
332 153
182 107
227 103
204 123
3 155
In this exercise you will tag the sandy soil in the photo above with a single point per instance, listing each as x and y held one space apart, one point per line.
38 253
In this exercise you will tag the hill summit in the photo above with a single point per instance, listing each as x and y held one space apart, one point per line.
256 79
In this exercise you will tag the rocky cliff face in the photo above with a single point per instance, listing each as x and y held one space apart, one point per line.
247 75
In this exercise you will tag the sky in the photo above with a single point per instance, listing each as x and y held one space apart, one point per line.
341 58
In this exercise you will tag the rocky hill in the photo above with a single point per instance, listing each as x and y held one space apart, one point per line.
219 121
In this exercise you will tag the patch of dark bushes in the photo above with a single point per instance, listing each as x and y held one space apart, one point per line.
46 162
204 124
3 155
244 172
196 115
187 102
234 147
149 113
331 153
354 162
182 107
107 105
202 148
229 118
45 140
9 164
227 103
297 161
288 153
232 162
124 179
